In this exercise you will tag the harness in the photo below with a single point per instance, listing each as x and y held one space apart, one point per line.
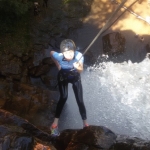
68 75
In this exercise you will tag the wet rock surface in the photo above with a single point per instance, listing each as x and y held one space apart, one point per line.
129 143
92 136
18 133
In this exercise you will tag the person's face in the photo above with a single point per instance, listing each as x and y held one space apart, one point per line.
68 55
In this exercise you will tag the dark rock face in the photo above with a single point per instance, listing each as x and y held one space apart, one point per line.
9 118
130 143
10 66
37 71
89 58
17 133
97 136
37 105
16 138
65 138
92 136
148 48
48 61
17 141
113 43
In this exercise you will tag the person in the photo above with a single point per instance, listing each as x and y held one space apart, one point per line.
70 64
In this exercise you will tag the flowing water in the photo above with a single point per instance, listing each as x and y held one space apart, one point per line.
116 95
116 91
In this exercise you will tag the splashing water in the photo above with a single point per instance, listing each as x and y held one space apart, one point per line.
119 94
116 95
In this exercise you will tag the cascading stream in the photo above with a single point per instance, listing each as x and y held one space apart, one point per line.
117 96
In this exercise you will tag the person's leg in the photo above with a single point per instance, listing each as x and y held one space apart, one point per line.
63 89
77 87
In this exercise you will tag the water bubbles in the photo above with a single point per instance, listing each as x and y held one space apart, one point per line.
121 92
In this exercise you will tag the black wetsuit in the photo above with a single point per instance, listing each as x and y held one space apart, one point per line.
73 77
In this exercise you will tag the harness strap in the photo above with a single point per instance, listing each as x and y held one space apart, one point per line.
68 75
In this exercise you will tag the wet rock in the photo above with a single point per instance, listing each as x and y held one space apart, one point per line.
97 137
37 71
130 143
17 141
58 41
15 137
89 58
147 48
10 66
24 99
8 118
52 43
65 138
40 146
100 137
45 3
42 69
16 132
79 146
113 43
48 60
2 102
49 81
38 47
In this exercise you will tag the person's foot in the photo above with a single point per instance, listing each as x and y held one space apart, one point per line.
54 130
85 125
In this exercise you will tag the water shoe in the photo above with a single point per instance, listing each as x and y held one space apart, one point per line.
54 130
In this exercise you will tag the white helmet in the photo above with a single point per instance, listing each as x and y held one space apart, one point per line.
67 45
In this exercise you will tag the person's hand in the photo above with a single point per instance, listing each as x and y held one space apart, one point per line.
76 65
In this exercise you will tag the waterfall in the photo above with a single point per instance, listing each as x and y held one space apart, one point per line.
116 95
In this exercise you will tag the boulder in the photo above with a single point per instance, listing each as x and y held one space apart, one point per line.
15 137
10 66
113 43
17 141
91 137
39 70
130 143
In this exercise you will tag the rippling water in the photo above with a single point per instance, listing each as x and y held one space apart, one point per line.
116 95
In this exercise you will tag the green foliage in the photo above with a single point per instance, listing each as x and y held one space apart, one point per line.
14 8
11 11
17 42
15 26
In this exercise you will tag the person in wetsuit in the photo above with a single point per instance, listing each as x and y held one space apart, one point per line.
70 64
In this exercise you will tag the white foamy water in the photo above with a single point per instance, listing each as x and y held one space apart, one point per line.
116 95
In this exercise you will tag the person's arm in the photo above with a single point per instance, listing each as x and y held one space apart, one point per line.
79 61
78 66
55 61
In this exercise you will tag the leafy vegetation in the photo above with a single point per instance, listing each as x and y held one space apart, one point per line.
14 25
11 11
16 20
